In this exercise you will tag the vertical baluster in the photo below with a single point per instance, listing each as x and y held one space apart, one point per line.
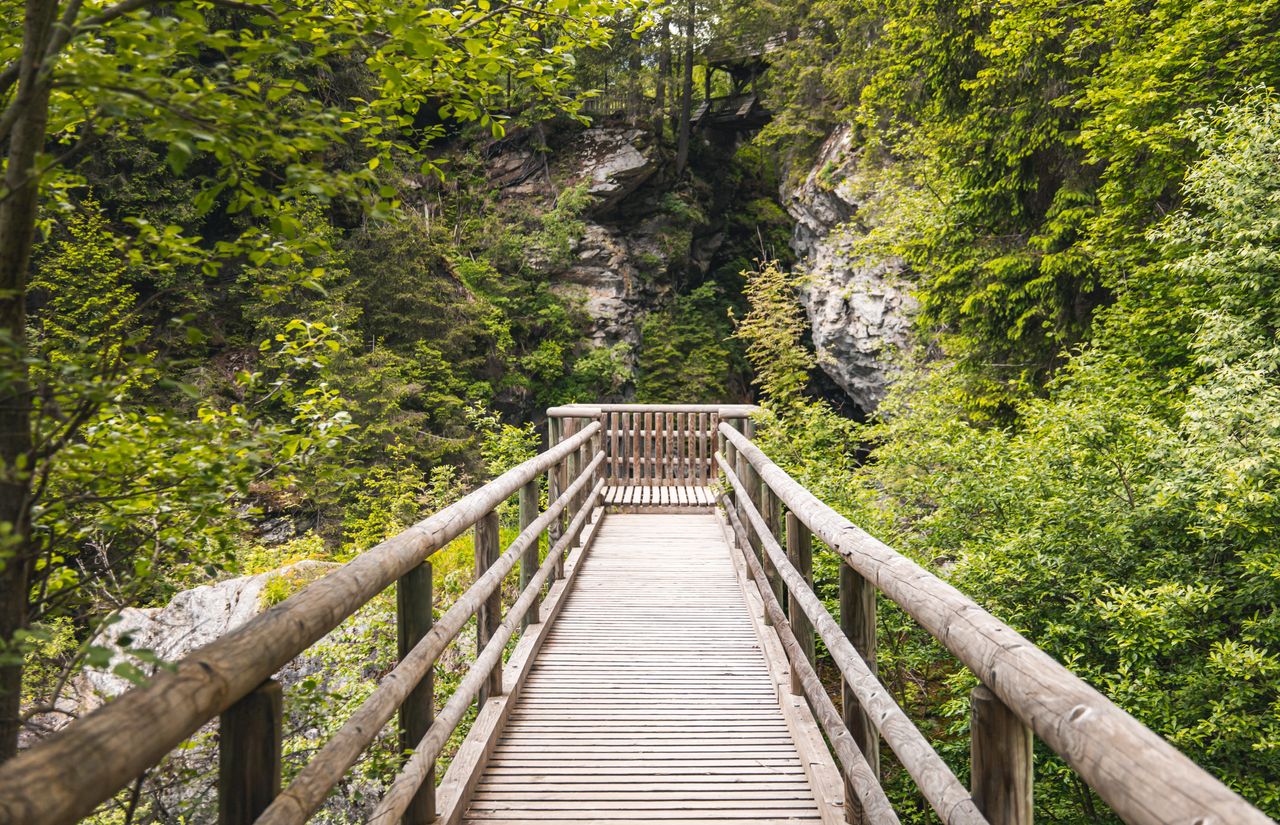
568 472
858 622
651 464
414 618
771 509
712 433
636 472
615 438
800 553
554 489
249 740
672 459
489 616
690 419
659 450
529 506
1000 760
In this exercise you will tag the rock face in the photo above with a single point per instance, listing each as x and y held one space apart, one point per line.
860 310
623 248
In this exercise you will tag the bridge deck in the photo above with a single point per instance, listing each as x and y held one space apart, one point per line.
656 697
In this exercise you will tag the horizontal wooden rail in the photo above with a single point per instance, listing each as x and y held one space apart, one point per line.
874 804
65 777
397 798
1143 778
314 782
593 411
940 787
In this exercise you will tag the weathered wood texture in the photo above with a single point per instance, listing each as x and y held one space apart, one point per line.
644 498
1000 760
655 445
418 767
939 786
473 754
651 700
873 804
249 739
1144 779
415 615
489 614
800 551
312 784
53 782
858 623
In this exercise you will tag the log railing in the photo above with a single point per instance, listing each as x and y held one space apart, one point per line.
66 776
1023 691
652 445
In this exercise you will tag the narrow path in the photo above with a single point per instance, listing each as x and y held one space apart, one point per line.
651 700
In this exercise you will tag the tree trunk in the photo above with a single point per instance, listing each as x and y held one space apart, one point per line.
664 72
17 231
686 92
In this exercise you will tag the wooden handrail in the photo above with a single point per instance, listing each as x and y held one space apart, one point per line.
873 804
1143 778
594 410
66 776
314 782
400 794
940 787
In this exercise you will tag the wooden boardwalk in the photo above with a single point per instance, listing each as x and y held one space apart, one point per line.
655 698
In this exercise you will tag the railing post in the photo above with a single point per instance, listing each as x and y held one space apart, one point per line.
529 495
568 472
800 553
554 530
751 481
858 622
731 458
249 740
598 442
1000 760
414 618
489 616
771 509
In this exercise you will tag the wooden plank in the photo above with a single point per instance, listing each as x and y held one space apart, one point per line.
1000 760
944 792
415 615
1144 779
177 701
249 755
465 769
649 703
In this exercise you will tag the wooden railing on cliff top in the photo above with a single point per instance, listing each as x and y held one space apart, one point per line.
1023 691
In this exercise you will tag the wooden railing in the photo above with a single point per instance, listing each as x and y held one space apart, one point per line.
652 445
66 776
1023 691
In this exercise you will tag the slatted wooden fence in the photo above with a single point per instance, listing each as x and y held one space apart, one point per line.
652 445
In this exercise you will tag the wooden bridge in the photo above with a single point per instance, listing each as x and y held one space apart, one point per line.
663 666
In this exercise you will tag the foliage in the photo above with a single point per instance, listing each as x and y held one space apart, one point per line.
1126 523
684 354
773 330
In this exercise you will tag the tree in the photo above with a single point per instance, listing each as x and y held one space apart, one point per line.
686 90
227 86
